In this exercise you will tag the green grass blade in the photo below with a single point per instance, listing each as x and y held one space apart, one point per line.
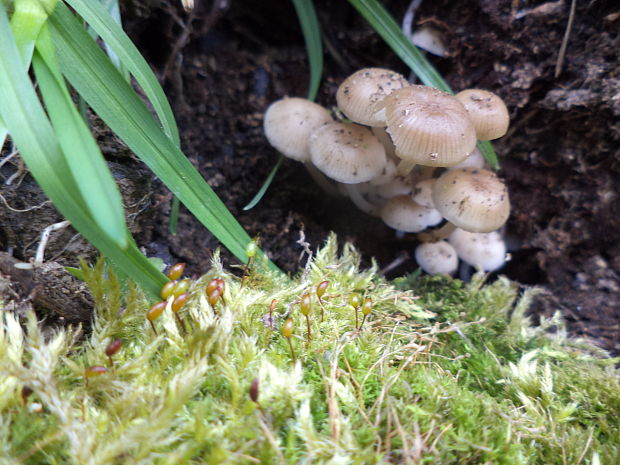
312 36
383 23
261 192
32 133
90 171
26 22
92 74
115 38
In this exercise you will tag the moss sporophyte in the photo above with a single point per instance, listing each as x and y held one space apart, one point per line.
438 371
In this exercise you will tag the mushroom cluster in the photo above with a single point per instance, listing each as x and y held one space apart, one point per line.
407 154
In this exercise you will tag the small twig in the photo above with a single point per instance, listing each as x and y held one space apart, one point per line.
569 26
45 237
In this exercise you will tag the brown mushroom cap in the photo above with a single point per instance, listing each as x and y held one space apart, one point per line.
403 214
348 153
290 121
359 93
428 127
472 199
487 111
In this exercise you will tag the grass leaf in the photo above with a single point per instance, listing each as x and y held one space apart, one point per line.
261 192
89 169
383 23
33 135
312 36
93 75
115 39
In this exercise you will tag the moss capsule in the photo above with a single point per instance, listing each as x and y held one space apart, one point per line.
213 285
112 348
181 287
251 249
213 297
366 309
305 304
287 332
168 289
94 371
254 390
287 328
176 271
355 300
176 305
321 288
179 301
155 312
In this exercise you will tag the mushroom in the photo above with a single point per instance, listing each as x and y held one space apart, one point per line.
290 121
437 257
469 198
288 124
484 250
359 93
347 153
487 111
350 154
428 127
472 199
403 214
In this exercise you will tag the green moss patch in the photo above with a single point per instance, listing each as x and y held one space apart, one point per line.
441 372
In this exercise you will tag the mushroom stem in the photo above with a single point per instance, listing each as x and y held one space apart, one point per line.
425 172
322 180
438 234
360 202
404 167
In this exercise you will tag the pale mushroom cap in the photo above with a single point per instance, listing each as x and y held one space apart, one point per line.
487 111
359 93
484 250
472 199
290 121
437 257
403 214
347 153
473 160
387 174
423 193
428 127
398 186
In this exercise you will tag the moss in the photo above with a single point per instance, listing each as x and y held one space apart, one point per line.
442 372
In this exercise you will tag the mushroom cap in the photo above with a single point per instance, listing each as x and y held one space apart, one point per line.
359 93
437 257
472 199
487 111
473 160
403 214
484 250
387 174
348 153
423 192
290 121
428 127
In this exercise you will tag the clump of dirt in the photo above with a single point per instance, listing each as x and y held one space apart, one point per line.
225 62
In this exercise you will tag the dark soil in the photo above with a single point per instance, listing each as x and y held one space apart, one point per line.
223 64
